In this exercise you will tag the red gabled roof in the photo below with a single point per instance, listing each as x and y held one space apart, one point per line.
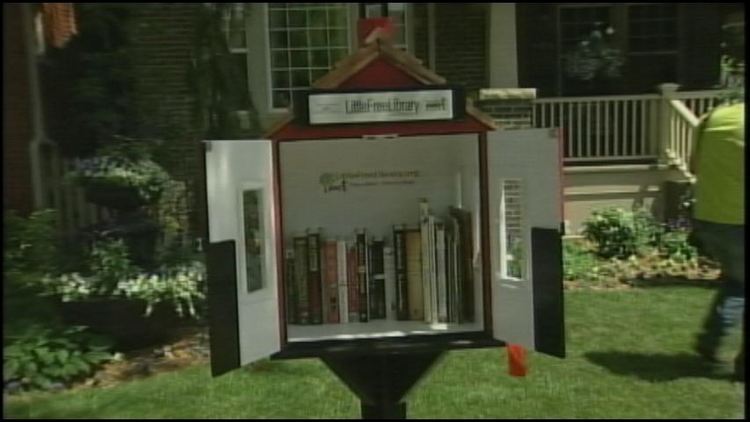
379 65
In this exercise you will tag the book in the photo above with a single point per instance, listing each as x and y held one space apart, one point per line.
343 288
314 278
376 280
330 282
399 255
362 274
451 266
413 240
427 248
352 274
465 264
291 287
441 287
389 271
300 278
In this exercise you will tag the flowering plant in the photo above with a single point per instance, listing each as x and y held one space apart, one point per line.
112 275
594 57
141 175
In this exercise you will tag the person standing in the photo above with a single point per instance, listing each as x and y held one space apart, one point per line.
719 222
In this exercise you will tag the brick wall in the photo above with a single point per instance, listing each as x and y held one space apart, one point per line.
17 131
511 108
461 44
162 37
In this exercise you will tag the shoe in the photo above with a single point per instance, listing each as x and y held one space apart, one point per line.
707 353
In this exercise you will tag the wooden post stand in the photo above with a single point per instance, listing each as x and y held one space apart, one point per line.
382 381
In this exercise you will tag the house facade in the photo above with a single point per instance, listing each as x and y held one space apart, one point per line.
513 60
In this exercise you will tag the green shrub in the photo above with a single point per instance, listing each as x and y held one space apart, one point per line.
38 356
674 245
111 274
579 263
618 233
32 244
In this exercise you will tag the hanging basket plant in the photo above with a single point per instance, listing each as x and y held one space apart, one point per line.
121 177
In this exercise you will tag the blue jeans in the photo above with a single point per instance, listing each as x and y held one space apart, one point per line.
725 244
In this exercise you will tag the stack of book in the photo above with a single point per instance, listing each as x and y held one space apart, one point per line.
426 274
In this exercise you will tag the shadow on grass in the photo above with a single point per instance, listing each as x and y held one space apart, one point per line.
674 281
657 367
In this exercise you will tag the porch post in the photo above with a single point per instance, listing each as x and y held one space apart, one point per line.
667 91
502 46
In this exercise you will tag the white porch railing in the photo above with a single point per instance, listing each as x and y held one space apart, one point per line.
682 127
622 128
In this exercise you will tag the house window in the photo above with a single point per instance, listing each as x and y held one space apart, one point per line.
395 11
253 233
233 25
306 40
512 245
652 29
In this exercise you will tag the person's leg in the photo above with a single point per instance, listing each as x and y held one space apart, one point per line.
726 244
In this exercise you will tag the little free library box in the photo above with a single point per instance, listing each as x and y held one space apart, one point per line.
382 222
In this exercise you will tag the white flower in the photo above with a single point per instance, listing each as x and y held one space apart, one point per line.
610 30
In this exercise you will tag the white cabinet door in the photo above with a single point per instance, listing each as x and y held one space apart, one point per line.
241 208
525 210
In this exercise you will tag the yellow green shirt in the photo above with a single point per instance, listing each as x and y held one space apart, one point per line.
720 165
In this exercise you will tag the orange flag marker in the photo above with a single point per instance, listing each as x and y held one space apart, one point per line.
516 360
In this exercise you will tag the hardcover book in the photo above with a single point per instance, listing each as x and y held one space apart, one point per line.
413 241
465 266
399 255
343 288
353 283
389 270
315 281
441 272
377 280
362 275
300 279
330 282
291 287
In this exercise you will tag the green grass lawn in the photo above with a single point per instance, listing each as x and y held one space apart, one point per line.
628 357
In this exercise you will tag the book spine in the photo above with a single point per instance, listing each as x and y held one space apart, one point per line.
402 292
441 270
466 270
353 283
330 279
389 271
300 276
433 289
377 280
413 240
343 292
424 227
362 272
315 282
290 286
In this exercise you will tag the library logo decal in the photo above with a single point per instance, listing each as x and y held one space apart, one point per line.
341 182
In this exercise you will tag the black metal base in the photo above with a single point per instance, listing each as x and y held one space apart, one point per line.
382 381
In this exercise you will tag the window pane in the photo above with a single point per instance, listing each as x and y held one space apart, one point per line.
277 19
513 248
338 38
279 39
299 58
281 78
298 38
305 37
320 58
281 99
254 239
318 38
318 19
279 59
297 18
301 78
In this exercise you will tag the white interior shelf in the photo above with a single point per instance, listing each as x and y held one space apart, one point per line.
373 329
